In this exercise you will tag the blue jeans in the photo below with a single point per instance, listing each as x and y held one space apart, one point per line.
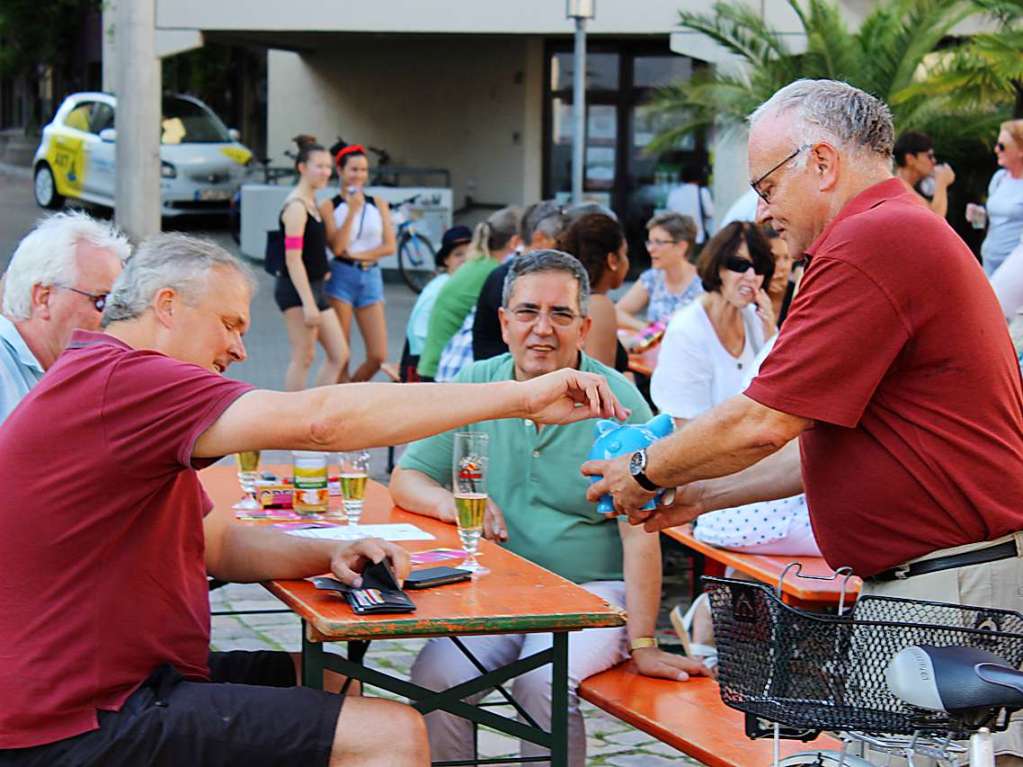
355 286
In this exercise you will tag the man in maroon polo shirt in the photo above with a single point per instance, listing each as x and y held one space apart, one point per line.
894 369
106 537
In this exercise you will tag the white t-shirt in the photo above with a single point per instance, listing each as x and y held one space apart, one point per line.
683 199
694 371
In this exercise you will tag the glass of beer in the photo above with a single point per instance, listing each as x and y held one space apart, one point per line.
469 486
354 474
248 473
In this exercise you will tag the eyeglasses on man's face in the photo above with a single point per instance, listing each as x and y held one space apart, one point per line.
659 243
99 300
528 315
757 184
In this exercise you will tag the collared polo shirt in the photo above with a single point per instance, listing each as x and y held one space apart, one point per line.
19 368
534 478
897 350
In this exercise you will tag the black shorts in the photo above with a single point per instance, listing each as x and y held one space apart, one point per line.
173 722
288 298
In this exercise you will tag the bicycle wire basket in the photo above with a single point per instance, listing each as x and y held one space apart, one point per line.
817 671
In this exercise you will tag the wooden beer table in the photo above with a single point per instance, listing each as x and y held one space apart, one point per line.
516 597
818 588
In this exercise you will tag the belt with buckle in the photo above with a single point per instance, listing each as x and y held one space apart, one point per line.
364 265
1004 550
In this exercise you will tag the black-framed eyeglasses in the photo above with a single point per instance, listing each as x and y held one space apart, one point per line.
659 243
527 315
742 265
99 300
756 184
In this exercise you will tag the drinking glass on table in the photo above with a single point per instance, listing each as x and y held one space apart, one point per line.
469 486
354 474
248 473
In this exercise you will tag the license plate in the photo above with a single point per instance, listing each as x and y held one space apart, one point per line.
213 195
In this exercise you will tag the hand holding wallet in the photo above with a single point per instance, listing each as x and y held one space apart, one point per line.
379 592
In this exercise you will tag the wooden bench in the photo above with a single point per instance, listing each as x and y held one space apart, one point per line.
801 592
689 716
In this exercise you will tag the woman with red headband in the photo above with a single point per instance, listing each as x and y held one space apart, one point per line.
299 290
359 233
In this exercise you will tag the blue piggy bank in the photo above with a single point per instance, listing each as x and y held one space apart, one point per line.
613 439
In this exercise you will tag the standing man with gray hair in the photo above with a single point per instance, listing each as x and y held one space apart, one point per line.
57 281
894 370
106 535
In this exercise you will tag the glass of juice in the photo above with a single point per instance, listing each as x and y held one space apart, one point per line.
469 486
248 473
354 474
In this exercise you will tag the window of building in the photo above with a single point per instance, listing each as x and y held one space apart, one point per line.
619 170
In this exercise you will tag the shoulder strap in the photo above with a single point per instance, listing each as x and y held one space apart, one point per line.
337 200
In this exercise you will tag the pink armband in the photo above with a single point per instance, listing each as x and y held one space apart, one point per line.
293 243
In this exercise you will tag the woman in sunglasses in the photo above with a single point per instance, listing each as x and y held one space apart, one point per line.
1005 199
710 344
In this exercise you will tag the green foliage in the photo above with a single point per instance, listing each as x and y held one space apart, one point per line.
957 96
36 33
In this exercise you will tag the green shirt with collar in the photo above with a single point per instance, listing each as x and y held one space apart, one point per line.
534 478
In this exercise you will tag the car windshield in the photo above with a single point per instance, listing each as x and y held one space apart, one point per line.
185 122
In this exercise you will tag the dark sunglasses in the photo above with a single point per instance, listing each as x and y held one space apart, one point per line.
742 265
1000 146
99 300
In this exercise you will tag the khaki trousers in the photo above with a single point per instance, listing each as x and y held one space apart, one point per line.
992 584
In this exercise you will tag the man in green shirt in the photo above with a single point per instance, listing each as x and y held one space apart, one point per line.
538 507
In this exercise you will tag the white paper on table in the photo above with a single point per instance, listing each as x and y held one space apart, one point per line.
397 532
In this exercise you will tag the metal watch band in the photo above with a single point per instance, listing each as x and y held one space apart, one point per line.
640 642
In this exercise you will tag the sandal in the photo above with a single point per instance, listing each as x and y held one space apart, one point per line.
683 624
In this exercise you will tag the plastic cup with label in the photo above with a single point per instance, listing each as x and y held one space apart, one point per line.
310 482
976 215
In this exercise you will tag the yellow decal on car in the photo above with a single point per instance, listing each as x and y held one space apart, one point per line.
66 156
239 154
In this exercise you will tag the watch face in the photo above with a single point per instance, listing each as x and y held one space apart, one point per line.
637 462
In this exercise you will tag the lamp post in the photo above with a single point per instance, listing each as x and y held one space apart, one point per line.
579 11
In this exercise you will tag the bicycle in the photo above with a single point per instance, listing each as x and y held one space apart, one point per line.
414 250
896 676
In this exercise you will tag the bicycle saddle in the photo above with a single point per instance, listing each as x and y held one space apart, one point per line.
954 679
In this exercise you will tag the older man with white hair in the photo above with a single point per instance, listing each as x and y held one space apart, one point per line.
58 280
894 370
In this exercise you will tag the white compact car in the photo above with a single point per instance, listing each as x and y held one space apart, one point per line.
202 164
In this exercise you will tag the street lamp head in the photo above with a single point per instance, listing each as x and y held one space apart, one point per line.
580 9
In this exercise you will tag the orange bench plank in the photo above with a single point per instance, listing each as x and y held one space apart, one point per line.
687 715
767 569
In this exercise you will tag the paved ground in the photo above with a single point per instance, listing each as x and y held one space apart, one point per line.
611 742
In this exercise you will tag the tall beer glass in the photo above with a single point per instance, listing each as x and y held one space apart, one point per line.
469 486
248 473
354 474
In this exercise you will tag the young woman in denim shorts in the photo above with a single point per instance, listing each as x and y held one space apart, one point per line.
359 233
299 289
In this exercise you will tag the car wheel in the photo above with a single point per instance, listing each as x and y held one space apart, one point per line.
46 188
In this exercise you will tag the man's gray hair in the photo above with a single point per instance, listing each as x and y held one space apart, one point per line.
47 257
836 112
548 261
174 261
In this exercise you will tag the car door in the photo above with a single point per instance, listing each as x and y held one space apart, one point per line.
67 153
102 153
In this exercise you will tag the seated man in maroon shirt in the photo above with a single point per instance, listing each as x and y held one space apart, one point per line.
894 369
106 538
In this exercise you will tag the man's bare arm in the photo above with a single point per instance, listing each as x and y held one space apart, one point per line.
777 476
726 439
352 416
245 554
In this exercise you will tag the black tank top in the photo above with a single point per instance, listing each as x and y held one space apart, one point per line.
314 247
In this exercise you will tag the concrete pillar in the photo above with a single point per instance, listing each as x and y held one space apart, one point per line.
137 199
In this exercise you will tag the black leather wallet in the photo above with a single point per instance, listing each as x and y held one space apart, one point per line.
379 592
